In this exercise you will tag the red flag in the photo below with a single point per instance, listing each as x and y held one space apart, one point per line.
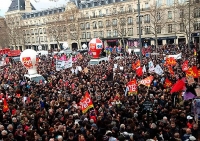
178 86
192 72
5 105
86 103
139 71
170 61
185 66
132 86
168 83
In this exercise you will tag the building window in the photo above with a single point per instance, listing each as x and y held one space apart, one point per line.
88 35
101 34
158 3
146 5
83 35
169 14
181 27
147 30
158 16
114 22
107 23
181 13
40 30
147 18
196 26
197 13
100 23
94 25
108 33
121 9
115 33
41 39
169 28
130 8
138 31
87 25
137 21
96 34
130 31
33 40
130 20
158 29
100 13
45 38
114 11
170 2
44 30
82 26
107 12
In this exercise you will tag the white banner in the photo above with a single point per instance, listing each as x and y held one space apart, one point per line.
158 70
151 66
177 56
60 65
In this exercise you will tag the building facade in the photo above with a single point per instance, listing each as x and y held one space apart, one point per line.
116 22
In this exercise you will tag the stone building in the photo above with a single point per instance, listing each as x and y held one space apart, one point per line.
116 22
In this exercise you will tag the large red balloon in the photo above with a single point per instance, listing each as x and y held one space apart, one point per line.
95 46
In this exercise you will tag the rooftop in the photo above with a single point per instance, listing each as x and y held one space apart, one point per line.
18 5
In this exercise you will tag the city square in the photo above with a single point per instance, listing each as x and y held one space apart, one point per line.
100 70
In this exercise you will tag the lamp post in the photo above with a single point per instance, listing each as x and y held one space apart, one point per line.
189 25
139 20
84 3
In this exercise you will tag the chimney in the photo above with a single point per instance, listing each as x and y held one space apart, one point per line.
28 6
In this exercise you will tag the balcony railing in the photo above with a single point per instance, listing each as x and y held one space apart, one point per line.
101 26
95 27
130 23
147 21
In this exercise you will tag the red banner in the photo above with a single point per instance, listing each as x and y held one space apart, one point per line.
86 103
132 86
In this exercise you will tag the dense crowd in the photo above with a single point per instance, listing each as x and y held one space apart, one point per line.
51 111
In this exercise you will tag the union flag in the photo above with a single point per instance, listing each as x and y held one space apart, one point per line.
192 72
170 61
86 103
167 83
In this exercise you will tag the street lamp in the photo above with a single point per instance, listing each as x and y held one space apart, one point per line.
189 25
140 42
85 3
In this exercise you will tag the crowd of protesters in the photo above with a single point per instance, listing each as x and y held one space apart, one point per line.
51 112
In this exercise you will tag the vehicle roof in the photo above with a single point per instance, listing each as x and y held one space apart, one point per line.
99 59
33 75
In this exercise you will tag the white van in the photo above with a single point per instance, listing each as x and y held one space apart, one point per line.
98 61
35 77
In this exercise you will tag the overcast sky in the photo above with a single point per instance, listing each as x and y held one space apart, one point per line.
42 4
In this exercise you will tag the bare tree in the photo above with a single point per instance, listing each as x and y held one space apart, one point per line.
55 27
4 38
14 30
73 22
155 20
187 17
